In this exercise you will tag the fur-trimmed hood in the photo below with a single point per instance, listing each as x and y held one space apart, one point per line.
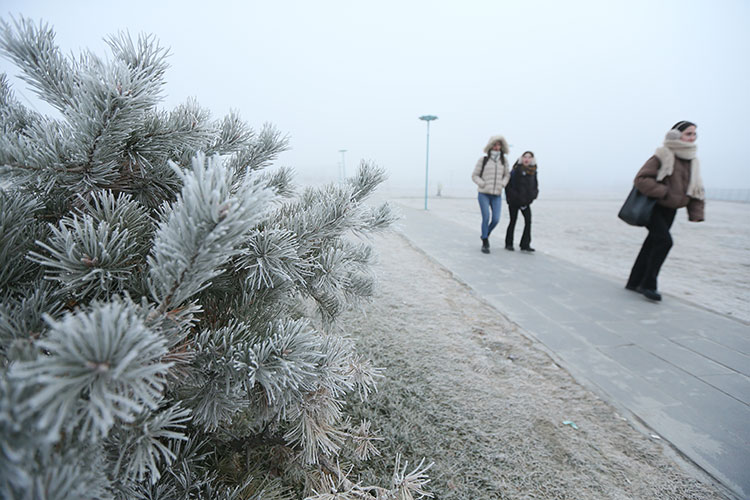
497 138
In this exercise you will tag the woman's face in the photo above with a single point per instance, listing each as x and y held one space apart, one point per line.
526 159
689 134
496 147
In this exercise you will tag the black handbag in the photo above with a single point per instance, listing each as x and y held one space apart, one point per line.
637 208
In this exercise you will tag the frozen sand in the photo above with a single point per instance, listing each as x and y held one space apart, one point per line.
709 264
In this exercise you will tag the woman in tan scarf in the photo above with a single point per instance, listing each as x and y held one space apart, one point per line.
672 176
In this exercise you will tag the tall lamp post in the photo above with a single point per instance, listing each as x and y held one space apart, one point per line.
343 163
428 119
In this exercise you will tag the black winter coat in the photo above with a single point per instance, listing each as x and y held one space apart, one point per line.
522 188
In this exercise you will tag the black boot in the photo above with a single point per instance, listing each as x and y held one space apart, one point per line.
649 294
485 245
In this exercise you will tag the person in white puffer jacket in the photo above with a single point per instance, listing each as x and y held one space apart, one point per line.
491 174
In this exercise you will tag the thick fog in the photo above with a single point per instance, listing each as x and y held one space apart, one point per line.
590 87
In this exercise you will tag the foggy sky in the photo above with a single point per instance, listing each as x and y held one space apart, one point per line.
590 86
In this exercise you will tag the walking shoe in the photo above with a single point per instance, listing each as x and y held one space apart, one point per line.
527 249
649 294
485 245
509 248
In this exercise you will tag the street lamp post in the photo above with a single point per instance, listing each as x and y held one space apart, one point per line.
343 163
428 119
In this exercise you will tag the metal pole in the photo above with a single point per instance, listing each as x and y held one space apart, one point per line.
427 165
428 119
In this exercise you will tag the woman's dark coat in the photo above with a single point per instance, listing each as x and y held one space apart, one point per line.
522 188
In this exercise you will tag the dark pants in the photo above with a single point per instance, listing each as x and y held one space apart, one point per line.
526 237
654 250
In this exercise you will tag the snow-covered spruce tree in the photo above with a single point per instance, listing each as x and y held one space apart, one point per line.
168 317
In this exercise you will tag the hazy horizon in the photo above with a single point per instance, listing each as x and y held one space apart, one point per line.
590 87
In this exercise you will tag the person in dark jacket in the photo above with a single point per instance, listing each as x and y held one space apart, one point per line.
521 190
672 176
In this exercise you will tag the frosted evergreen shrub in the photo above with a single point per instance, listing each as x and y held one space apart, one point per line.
169 305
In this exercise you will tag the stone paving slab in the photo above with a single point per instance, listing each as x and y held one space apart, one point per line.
722 354
680 369
737 386
695 363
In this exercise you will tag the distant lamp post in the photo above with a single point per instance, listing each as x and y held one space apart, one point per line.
428 119
343 164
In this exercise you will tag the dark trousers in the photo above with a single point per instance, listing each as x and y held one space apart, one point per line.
654 250
526 237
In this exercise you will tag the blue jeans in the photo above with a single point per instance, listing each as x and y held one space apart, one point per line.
487 202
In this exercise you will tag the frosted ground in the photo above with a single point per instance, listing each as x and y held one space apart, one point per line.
467 389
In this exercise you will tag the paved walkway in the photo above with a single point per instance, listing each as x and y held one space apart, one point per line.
683 371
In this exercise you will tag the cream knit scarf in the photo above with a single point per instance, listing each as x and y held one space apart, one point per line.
673 146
